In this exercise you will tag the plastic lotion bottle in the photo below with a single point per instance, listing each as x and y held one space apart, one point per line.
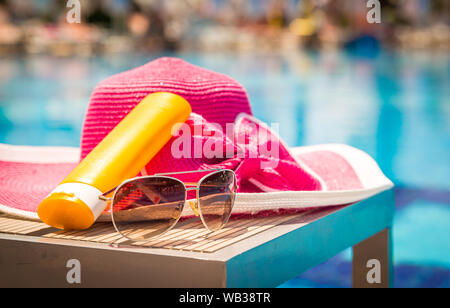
124 152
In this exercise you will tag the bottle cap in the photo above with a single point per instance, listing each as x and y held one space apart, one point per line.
72 206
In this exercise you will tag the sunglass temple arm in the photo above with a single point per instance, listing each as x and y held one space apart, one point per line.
103 196
186 172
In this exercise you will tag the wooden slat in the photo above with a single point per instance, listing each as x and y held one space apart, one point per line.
7 223
59 234
107 229
86 234
165 242
205 235
213 246
29 228
179 235
20 227
108 238
16 226
253 228
142 231
176 232
82 234
188 235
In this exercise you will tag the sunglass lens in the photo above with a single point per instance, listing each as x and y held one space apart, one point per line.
216 198
147 207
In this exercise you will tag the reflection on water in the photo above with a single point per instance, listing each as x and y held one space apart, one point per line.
394 106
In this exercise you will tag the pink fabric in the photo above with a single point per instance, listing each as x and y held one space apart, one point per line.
217 97
247 155
333 169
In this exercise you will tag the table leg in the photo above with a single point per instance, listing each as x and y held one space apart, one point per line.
372 262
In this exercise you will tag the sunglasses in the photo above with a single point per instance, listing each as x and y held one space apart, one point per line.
145 208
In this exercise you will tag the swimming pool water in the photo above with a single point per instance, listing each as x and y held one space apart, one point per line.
394 105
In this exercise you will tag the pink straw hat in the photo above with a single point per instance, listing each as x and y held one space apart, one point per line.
217 97
293 180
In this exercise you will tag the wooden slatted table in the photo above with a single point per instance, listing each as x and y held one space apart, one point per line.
257 252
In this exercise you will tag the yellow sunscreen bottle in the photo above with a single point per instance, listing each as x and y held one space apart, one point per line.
127 149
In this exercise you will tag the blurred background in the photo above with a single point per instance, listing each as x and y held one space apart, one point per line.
317 67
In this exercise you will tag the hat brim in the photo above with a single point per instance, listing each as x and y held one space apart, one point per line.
29 174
